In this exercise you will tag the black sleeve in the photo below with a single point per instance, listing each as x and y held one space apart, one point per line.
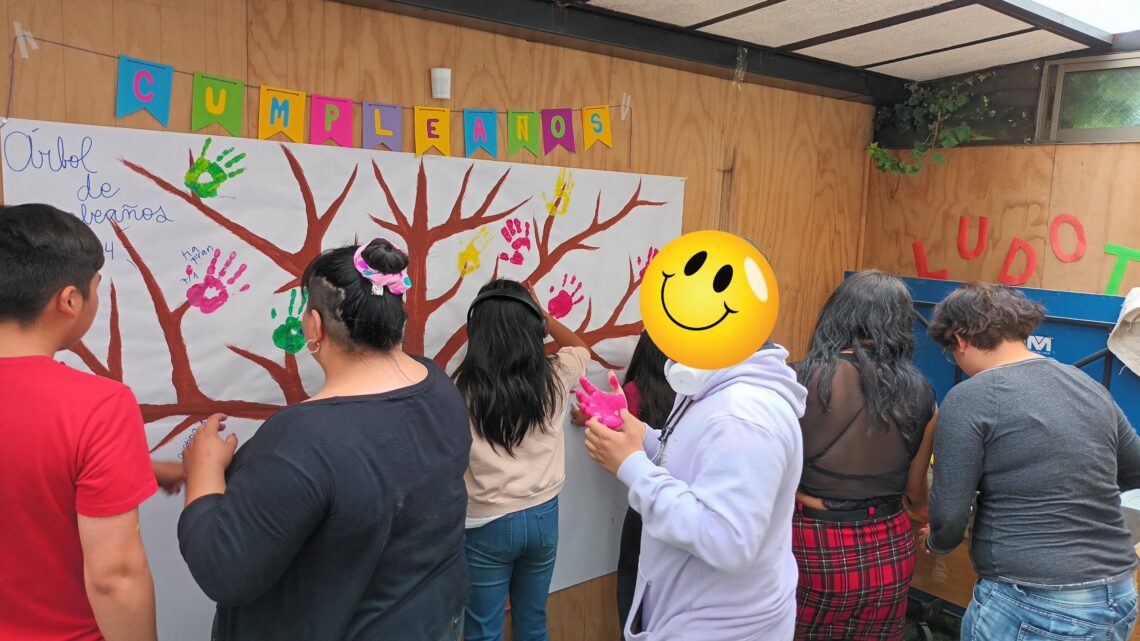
238 544
1127 452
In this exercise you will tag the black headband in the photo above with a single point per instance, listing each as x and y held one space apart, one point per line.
520 297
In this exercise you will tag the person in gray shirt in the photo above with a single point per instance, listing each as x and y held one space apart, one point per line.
1045 452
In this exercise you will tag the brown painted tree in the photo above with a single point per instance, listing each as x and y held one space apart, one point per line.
412 228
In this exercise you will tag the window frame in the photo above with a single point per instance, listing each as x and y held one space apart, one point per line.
1049 103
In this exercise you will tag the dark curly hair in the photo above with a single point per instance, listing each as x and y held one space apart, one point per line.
985 315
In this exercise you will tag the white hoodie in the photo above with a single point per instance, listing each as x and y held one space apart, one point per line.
716 506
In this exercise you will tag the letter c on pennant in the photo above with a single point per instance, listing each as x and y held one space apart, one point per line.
140 75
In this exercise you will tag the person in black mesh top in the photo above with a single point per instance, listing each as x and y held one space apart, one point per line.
868 432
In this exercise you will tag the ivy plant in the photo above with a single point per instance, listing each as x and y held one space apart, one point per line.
928 116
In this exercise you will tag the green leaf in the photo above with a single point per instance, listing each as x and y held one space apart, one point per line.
938 158
963 132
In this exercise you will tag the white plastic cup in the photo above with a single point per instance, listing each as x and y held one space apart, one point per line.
441 83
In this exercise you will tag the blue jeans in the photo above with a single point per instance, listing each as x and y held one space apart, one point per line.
513 553
1007 612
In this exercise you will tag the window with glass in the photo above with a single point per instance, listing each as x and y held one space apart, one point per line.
1091 100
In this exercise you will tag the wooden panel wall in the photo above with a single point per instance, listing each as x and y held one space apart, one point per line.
783 168
1021 190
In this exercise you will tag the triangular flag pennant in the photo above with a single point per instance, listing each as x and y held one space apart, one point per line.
523 132
219 100
433 129
481 131
144 85
281 110
596 126
383 125
331 118
557 129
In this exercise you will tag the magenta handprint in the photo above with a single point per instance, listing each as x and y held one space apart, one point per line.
518 236
564 300
210 294
648 259
604 406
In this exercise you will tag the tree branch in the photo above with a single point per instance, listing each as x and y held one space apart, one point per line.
289 382
431 306
271 251
402 222
115 343
181 376
94 364
451 347
306 190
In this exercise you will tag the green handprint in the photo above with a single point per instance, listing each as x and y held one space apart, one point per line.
214 172
288 335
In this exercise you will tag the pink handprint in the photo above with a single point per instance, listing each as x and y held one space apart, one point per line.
604 406
510 232
210 294
648 259
564 300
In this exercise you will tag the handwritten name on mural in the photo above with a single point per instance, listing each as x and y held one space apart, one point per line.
970 251
23 152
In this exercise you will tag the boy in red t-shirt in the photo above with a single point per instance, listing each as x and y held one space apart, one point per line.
73 454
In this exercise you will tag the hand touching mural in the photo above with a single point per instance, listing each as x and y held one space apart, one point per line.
518 237
287 335
213 171
210 294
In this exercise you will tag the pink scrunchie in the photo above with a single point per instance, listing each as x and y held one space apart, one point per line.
396 283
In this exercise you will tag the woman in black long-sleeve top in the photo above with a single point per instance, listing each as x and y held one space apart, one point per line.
342 518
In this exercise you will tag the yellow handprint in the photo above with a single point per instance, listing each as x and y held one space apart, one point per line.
563 186
469 257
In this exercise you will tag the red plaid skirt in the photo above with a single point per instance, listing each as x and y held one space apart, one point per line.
854 577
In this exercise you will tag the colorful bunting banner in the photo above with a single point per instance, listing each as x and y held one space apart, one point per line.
383 124
219 100
557 129
433 129
596 127
522 132
147 85
281 110
144 85
481 131
330 118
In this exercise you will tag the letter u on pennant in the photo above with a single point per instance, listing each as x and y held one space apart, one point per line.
215 99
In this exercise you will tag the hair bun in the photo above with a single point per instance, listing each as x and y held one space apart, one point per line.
385 257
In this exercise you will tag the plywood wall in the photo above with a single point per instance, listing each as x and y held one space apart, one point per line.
1021 190
783 168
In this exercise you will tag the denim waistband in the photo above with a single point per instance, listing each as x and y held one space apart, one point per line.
1110 582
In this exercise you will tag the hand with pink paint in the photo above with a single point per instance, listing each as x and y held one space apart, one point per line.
210 294
604 406
518 237
564 300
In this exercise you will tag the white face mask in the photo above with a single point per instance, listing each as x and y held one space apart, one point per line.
686 380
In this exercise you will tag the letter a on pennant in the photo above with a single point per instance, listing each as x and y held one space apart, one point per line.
281 111
219 100
481 131
144 85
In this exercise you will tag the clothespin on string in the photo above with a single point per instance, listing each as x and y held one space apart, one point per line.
625 100
24 39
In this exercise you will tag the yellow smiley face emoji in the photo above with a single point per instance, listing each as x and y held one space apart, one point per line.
709 299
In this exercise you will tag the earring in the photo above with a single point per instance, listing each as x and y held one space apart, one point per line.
310 350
